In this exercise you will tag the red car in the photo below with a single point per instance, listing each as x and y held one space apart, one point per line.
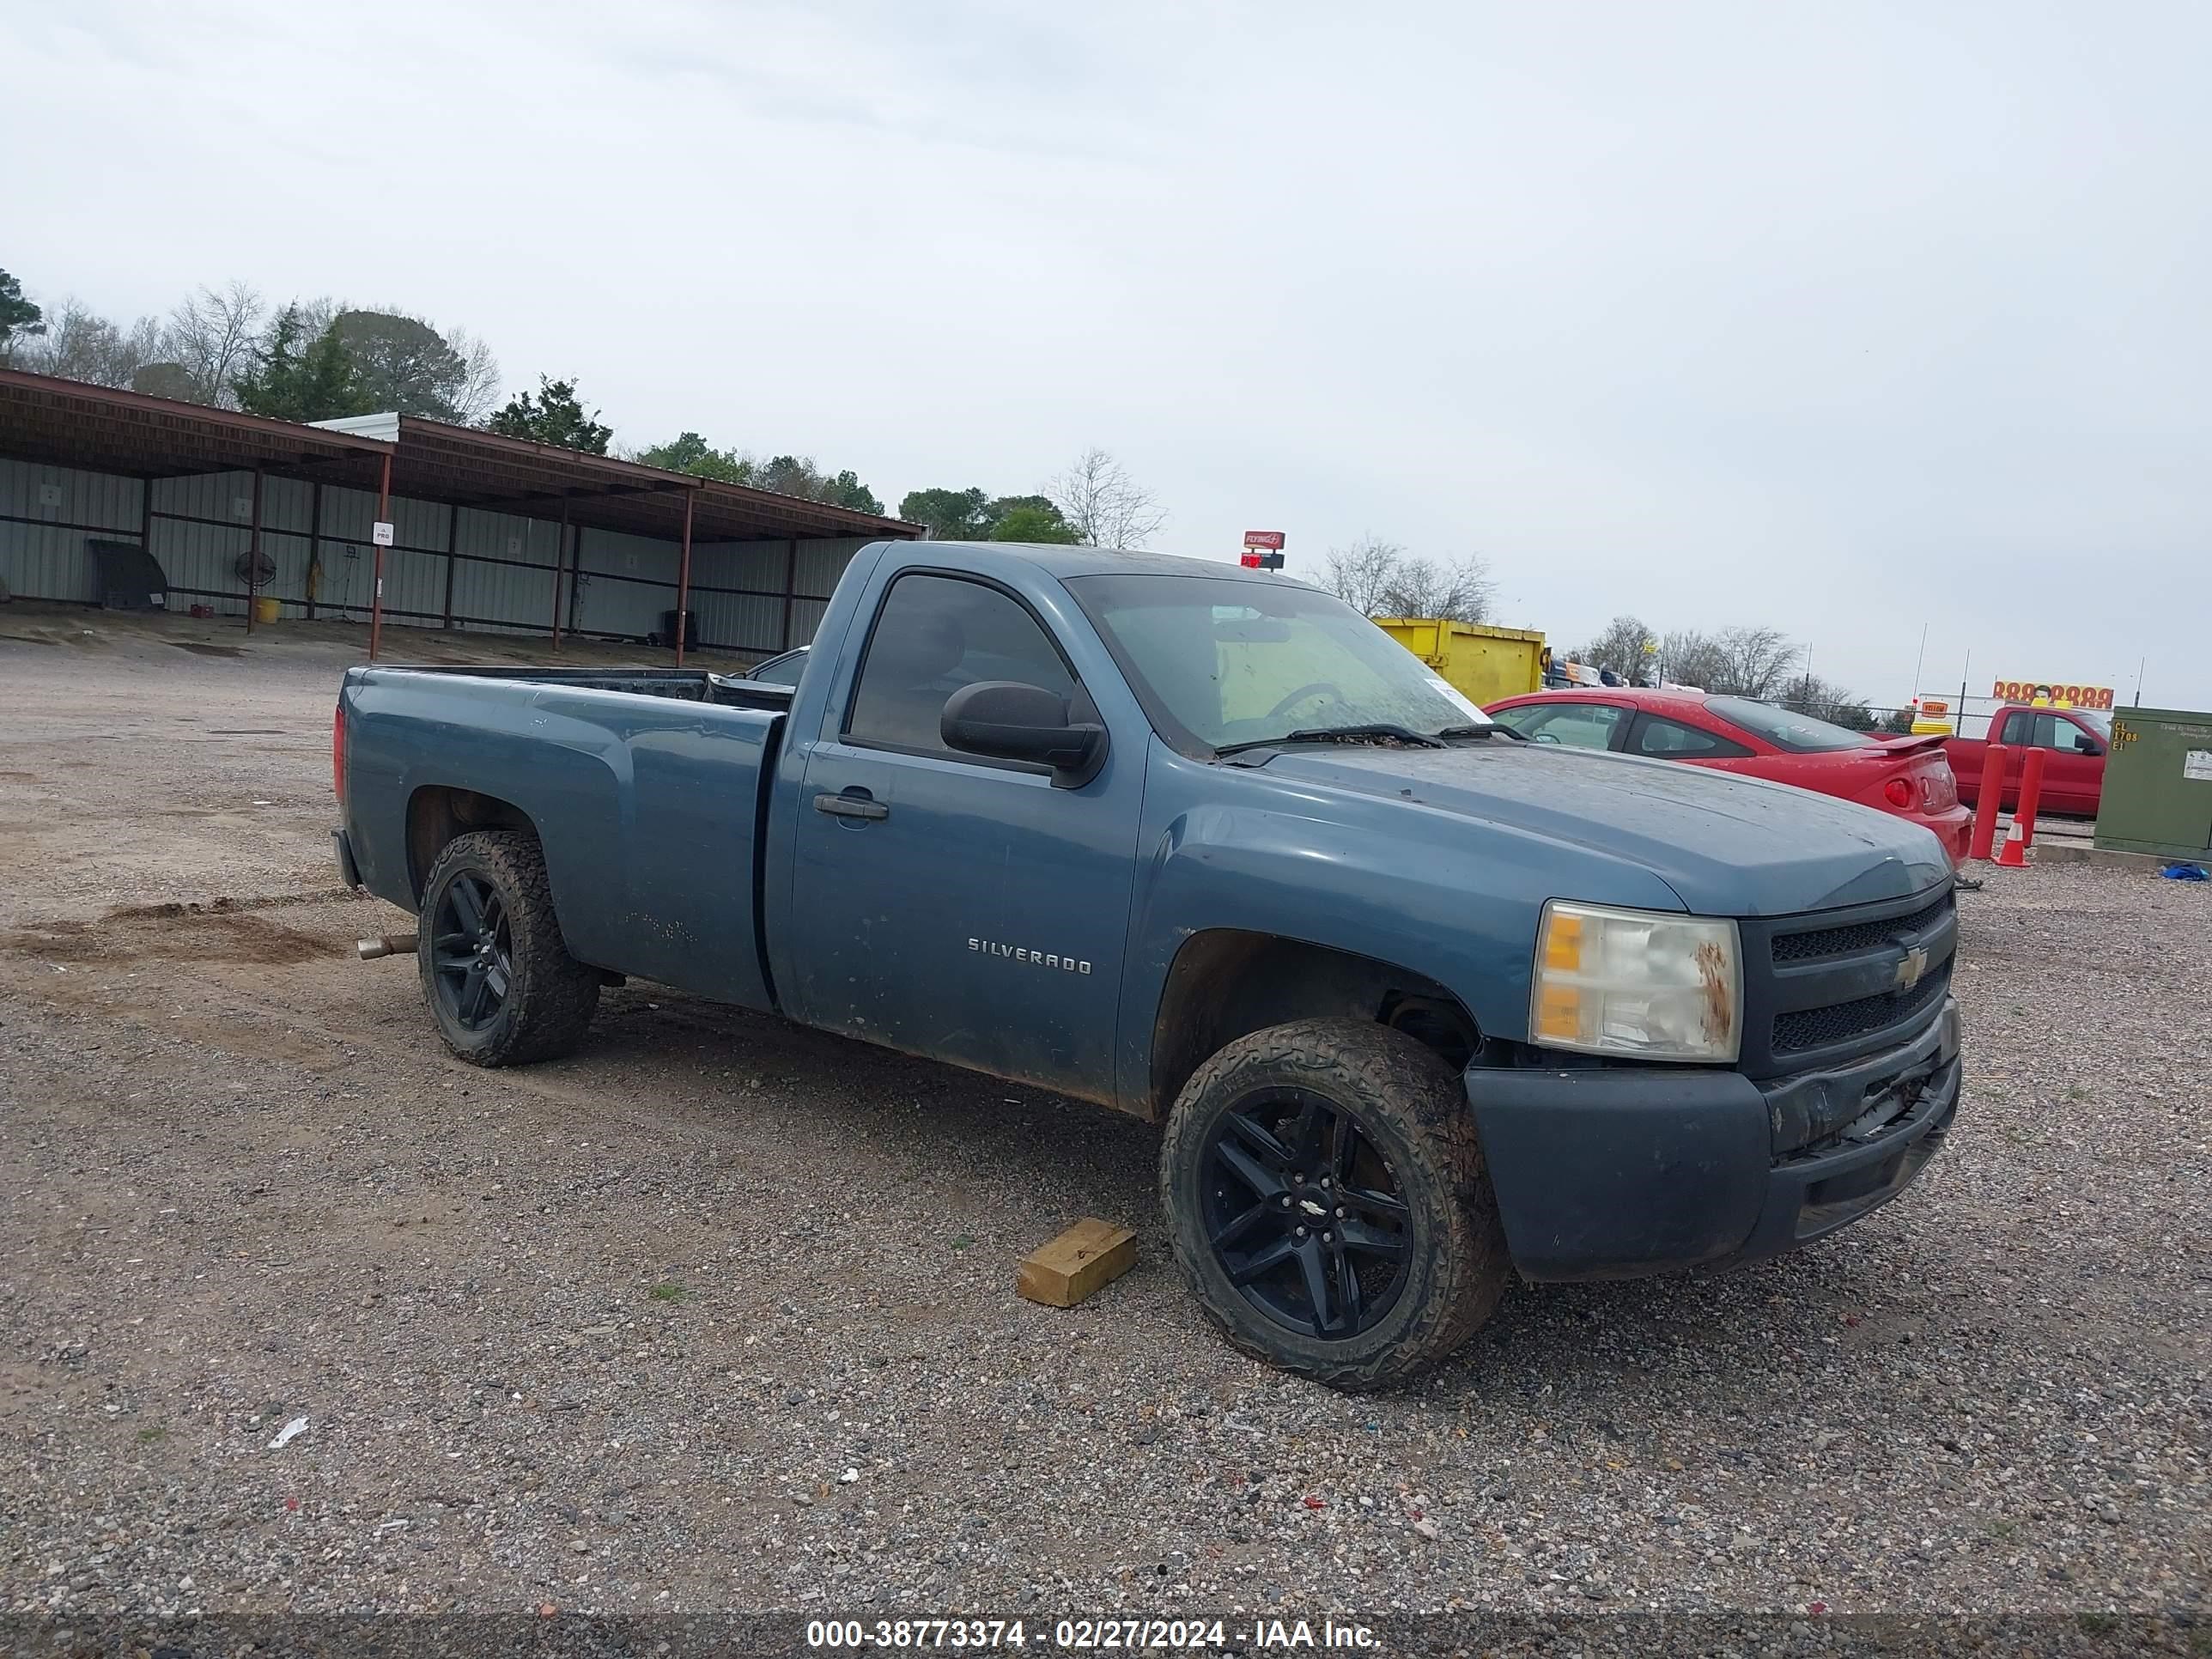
1908 776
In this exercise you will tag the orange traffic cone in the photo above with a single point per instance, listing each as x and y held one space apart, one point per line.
2013 855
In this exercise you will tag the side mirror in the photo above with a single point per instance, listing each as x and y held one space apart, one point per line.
1006 719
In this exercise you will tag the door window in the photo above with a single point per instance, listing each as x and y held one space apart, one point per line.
1576 724
2056 731
1655 734
933 636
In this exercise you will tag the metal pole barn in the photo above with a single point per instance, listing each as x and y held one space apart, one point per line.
376 592
683 580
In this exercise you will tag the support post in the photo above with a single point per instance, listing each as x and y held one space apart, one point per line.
1995 759
683 579
452 543
790 588
560 553
254 553
314 544
376 586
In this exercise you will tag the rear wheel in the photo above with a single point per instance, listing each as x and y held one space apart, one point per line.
495 972
1325 1193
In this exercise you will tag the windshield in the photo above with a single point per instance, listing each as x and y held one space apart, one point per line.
1228 662
1800 734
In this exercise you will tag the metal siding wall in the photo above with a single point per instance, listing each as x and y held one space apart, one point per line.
629 580
758 566
44 560
515 595
805 617
741 622
820 564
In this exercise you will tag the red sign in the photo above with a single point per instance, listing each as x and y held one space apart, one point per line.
1271 539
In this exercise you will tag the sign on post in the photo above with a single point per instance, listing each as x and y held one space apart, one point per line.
379 533
1263 550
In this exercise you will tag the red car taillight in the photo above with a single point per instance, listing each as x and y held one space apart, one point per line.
337 755
1898 792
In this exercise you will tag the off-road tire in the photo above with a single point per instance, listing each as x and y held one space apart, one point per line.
1413 1107
551 996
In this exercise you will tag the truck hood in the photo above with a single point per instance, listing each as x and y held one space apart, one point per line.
1728 845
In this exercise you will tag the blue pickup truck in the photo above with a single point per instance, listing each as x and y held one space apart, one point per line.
1419 1004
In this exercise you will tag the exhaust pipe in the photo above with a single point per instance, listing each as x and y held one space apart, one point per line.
391 944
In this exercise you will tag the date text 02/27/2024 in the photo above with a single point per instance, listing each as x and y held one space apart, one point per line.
1086 1635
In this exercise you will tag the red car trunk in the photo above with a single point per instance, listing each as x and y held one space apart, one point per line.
1908 776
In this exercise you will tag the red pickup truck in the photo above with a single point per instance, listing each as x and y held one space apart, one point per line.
2076 740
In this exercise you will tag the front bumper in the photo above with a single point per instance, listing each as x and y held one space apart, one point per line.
1614 1172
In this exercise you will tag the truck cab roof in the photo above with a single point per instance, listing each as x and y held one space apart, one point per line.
1057 560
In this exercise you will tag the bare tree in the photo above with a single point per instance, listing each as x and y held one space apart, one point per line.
478 390
1104 505
1758 660
1689 656
1459 591
81 344
1739 662
210 338
1362 572
1808 694
1626 646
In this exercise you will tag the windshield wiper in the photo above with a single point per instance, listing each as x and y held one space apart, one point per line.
1495 729
1339 734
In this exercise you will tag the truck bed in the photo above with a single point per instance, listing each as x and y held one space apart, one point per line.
648 788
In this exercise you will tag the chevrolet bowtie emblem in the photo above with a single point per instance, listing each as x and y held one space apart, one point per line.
1910 969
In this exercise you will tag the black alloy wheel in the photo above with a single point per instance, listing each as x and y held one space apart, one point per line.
495 970
1326 1198
1303 1213
472 951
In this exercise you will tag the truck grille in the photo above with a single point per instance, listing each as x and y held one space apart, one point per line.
1823 990
1862 937
1816 1028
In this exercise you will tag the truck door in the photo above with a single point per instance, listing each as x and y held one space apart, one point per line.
944 903
2074 772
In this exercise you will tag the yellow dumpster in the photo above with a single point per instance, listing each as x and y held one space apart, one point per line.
1480 661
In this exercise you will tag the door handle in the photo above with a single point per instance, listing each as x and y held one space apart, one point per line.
851 807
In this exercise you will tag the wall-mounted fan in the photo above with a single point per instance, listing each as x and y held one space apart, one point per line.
255 569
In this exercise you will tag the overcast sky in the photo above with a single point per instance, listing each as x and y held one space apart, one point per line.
1846 319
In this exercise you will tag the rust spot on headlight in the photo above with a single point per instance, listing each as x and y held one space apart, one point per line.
1712 971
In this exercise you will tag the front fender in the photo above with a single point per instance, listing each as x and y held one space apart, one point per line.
1455 900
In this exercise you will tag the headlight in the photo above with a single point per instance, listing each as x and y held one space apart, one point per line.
1638 982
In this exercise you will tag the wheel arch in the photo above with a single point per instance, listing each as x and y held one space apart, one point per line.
440 814
1226 984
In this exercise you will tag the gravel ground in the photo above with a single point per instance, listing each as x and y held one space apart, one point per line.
718 1314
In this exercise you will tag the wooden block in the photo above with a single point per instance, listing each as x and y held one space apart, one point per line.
1082 1261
